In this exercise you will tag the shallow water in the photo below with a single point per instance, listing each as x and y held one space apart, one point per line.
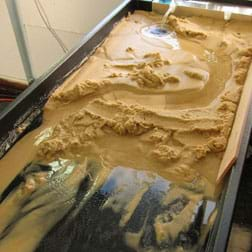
128 211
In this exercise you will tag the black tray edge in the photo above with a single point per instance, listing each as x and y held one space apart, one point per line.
221 230
19 110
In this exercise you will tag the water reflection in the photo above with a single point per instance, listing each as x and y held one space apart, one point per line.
162 33
127 210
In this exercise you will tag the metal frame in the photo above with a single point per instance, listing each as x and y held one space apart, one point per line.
219 237
20 38
234 2
29 106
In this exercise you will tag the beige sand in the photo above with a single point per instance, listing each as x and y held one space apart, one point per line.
140 103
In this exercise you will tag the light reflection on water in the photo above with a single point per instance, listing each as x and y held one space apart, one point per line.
128 201
161 32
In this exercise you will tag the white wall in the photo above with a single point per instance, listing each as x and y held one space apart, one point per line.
68 15
71 19
10 62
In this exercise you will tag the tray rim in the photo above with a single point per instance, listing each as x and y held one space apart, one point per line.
218 238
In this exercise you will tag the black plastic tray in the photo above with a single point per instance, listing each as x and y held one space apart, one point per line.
235 2
26 111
